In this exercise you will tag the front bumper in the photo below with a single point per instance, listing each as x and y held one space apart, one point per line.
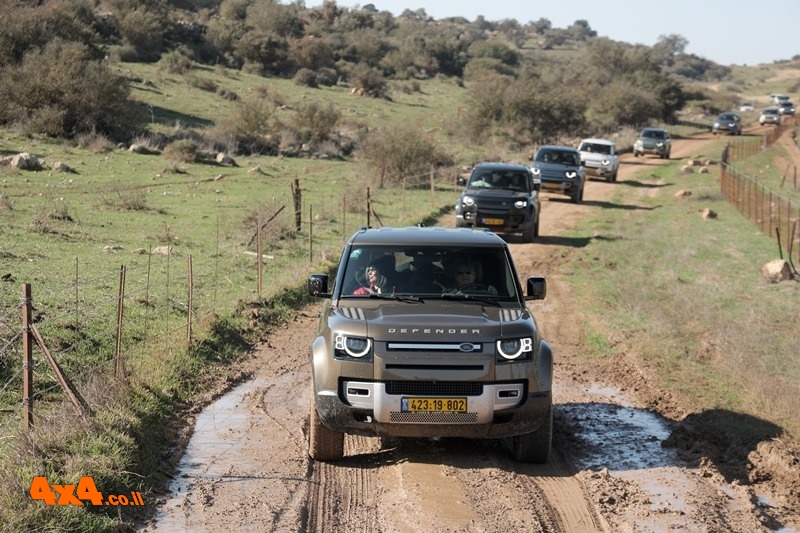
510 222
502 409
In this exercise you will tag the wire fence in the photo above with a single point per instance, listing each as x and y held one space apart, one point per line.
775 215
108 317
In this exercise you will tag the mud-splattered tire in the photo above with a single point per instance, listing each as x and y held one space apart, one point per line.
323 444
535 447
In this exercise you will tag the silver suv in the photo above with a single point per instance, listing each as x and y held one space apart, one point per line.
653 141
770 115
405 349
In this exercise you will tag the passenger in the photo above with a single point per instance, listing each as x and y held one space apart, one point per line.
376 278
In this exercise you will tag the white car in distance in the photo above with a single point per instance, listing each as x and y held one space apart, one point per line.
599 158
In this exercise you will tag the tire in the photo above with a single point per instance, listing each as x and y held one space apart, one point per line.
529 234
577 197
323 444
535 447
536 227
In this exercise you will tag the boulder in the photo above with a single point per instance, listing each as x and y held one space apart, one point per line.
687 169
776 271
26 161
709 213
683 193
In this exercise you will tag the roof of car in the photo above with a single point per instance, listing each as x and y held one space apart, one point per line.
427 236
557 147
501 166
598 141
654 129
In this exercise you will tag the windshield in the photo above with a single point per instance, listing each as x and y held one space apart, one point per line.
561 157
500 179
653 134
428 272
594 148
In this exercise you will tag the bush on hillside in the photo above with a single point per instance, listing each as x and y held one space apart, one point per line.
402 155
59 91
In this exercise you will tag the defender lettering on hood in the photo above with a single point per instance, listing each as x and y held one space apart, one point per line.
425 332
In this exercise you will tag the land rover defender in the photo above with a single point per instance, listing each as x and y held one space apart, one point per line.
423 357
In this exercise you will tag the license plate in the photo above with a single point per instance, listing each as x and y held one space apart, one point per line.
551 185
433 405
493 221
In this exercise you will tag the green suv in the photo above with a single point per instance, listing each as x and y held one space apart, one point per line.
417 354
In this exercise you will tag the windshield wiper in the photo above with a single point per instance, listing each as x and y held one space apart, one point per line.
398 297
470 298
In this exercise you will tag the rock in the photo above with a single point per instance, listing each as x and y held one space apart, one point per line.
709 213
776 271
687 169
683 193
163 250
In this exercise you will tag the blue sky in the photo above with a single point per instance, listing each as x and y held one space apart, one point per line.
727 32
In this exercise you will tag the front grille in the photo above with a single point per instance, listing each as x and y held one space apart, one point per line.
433 418
435 388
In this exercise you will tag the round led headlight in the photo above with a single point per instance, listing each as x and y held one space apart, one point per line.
353 346
571 174
521 204
468 200
511 349
536 171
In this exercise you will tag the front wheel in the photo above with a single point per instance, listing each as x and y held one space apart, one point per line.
535 447
323 444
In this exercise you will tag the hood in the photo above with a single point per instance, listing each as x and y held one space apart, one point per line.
595 157
438 321
496 193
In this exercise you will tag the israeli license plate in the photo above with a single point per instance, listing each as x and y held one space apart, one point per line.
493 221
551 185
433 405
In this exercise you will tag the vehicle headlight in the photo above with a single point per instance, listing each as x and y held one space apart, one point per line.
716 124
514 349
605 162
348 346
639 143
536 171
571 174
659 144
468 201
521 204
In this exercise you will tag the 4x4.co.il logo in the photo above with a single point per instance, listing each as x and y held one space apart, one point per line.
85 490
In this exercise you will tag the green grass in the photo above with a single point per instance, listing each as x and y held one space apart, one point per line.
687 296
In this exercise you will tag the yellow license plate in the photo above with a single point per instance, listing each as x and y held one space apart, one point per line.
551 185
434 405
493 221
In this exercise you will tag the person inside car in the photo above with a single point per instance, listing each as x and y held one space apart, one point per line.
376 278
465 277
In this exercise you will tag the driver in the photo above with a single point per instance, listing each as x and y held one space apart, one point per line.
465 275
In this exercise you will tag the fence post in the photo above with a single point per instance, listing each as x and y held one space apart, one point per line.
259 260
310 233
27 359
189 304
119 365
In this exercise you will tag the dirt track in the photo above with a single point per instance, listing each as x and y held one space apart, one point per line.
246 467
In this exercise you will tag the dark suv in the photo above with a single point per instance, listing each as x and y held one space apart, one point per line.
426 356
502 197
560 170
728 123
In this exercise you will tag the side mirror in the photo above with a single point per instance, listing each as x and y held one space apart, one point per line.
317 285
461 180
536 288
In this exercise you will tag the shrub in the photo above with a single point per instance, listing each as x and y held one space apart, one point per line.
368 81
318 121
181 151
175 63
60 91
305 77
401 153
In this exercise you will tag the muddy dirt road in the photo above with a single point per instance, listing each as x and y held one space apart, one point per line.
246 467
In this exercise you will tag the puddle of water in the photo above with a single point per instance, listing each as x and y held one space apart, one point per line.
217 433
